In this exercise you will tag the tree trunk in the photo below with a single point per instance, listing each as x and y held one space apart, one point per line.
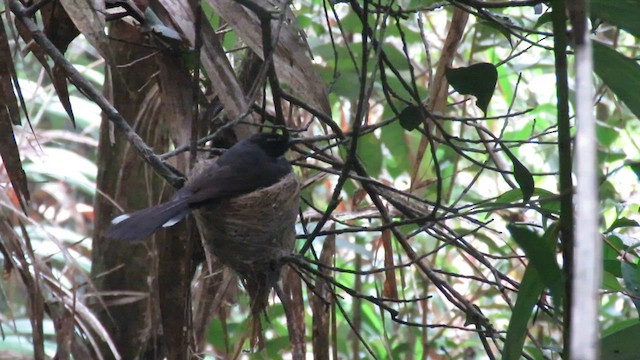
117 265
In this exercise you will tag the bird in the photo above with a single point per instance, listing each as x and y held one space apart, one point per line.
253 163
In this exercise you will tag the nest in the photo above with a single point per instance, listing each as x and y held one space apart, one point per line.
250 234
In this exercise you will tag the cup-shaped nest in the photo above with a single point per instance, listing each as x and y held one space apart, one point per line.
251 233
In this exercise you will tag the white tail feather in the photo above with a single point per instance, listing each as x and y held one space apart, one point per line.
120 218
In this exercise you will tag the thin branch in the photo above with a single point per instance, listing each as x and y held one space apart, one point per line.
94 95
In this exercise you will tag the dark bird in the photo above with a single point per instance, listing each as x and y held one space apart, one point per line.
251 164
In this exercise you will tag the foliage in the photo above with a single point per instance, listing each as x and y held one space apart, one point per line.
430 219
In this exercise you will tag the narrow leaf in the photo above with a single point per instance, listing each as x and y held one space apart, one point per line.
522 175
7 78
541 254
478 80
531 288
11 159
59 80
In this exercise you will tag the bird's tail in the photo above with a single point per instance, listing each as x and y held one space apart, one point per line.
140 224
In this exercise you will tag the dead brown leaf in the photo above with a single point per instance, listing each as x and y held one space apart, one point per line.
291 61
8 79
11 159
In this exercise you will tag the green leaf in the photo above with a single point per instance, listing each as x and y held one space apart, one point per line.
403 350
217 329
542 256
548 200
522 175
370 152
531 288
411 117
615 242
509 197
484 238
613 267
621 13
609 155
273 347
635 167
606 134
631 276
478 80
618 326
498 28
543 19
394 139
610 282
620 74
622 222
622 344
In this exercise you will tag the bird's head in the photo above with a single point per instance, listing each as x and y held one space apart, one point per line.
273 144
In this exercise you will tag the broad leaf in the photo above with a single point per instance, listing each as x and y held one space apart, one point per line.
635 167
621 13
622 222
619 73
478 80
370 153
622 344
631 276
410 118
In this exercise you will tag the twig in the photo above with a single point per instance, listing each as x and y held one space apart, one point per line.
94 95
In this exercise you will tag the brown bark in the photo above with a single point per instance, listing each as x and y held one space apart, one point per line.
119 265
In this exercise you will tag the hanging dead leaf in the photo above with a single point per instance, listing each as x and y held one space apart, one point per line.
11 159
291 59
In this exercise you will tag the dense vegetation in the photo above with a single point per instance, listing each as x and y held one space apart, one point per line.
436 218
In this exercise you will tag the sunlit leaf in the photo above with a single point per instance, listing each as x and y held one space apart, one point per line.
393 138
610 282
635 167
622 222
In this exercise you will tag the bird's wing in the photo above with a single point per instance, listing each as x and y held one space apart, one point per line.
222 182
